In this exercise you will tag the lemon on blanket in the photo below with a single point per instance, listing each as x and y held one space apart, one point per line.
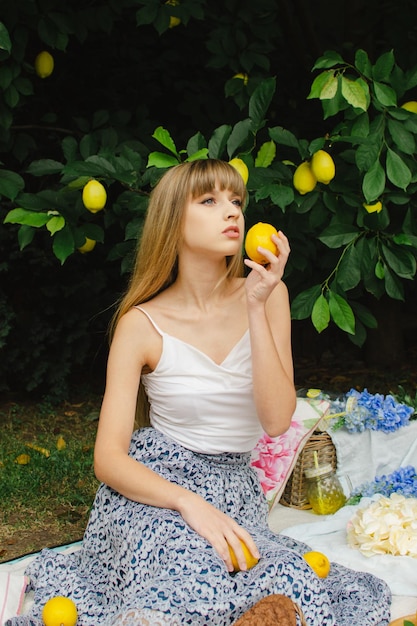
249 558
59 611
318 562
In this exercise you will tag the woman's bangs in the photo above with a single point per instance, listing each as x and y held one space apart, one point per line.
216 174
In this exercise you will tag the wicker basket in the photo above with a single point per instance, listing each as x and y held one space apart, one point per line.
295 494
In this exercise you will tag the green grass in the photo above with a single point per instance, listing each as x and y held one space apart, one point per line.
47 500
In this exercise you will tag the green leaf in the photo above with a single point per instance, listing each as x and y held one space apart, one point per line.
380 269
338 234
400 260
362 63
303 303
397 171
403 139
354 93
266 154
10 184
218 141
55 224
45 167
393 286
320 315
196 143
25 236
240 133
324 86
374 182
341 313
165 139
363 314
259 102
383 67
282 196
329 59
161 160
349 269
200 154
367 153
29 218
63 244
5 42
284 137
385 95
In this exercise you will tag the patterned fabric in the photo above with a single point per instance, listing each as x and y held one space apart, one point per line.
142 565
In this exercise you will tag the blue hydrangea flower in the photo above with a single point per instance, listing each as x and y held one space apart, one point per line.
363 410
402 481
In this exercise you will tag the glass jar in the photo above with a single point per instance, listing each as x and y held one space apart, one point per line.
324 490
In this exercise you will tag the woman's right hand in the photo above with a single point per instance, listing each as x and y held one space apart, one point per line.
220 530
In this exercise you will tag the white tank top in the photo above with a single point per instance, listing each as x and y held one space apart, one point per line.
205 407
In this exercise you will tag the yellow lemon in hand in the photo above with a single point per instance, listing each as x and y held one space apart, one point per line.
241 167
304 180
323 167
318 562
260 235
44 64
94 196
410 106
59 611
249 558
87 246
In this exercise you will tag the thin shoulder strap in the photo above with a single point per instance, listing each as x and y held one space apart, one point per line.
154 324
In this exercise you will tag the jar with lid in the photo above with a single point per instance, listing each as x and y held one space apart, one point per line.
324 490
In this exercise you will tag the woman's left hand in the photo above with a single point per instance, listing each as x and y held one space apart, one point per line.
264 278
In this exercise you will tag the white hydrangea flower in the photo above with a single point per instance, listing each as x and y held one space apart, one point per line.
386 526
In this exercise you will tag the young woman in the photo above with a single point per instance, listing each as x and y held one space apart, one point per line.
208 352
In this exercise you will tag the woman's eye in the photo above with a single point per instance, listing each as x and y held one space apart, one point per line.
208 201
237 202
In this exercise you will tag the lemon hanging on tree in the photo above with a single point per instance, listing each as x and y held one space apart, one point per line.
410 106
94 196
323 167
87 246
260 235
304 180
44 64
59 611
241 167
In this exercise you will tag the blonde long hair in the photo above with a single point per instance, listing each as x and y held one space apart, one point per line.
156 262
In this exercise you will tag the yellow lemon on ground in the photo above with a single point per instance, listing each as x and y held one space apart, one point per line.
304 180
241 167
318 562
87 246
94 196
44 64
410 106
260 235
59 611
173 20
373 208
249 558
323 167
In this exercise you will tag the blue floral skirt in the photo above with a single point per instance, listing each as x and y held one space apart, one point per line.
143 565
